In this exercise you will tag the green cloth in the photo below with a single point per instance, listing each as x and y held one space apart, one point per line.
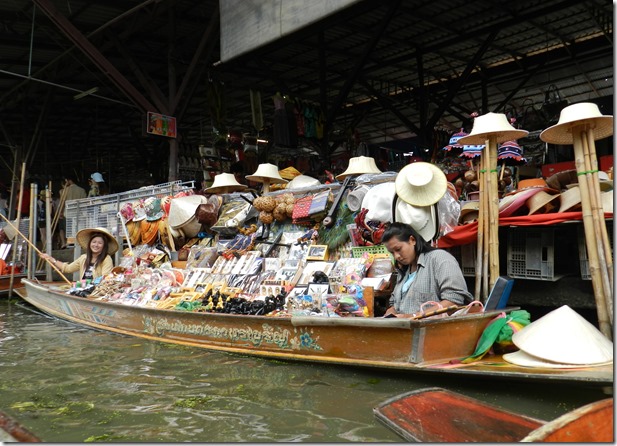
499 330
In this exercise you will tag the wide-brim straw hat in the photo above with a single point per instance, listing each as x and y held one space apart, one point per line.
494 126
607 201
541 203
182 209
564 336
469 211
266 173
421 184
533 183
583 114
289 173
378 202
570 200
421 218
509 204
302 181
134 230
149 231
225 183
356 196
83 238
359 165
526 360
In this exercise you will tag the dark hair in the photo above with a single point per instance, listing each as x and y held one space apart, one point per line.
402 232
102 255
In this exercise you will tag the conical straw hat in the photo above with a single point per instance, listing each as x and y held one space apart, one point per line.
584 113
84 236
266 172
358 166
224 183
564 336
525 360
570 199
541 203
421 184
182 209
494 125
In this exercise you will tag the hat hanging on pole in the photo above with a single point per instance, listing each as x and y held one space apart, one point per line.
510 153
493 125
224 183
453 144
584 113
359 165
421 184
266 174
472 151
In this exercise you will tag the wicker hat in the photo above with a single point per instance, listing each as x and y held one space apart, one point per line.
303 181
421 184
469 211
584 113
289 173
421 218
225 183
494 125
513 202
153 209
570 200
266 172
84 236
533 183
541 203
359 165
182 209
378 202
564 337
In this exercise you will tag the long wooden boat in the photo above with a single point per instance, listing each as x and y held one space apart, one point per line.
5 283
438 415
423 346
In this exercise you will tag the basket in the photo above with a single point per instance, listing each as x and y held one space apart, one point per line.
357 251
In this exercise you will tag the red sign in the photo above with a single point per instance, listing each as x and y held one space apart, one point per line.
161 125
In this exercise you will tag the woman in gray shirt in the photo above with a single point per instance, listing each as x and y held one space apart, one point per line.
425 273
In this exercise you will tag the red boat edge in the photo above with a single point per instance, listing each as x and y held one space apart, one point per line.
438 415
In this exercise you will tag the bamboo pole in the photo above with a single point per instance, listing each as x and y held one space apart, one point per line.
32 227
48 230
485 229
18 219
597 211
36 249
480 241
493 206
588 225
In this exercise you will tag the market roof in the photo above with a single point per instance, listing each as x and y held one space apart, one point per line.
387 70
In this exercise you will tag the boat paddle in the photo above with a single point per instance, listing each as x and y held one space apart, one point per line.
36 249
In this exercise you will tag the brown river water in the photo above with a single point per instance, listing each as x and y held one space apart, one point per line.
71 384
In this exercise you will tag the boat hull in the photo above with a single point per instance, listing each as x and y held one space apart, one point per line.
423 345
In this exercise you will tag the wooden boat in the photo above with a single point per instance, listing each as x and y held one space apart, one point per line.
5 283
439 415
423 346
12 431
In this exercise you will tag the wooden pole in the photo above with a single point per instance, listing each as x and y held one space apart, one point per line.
604 249
588 225
493 206
36 249
486 238
32 227
18 214
480 242
48 230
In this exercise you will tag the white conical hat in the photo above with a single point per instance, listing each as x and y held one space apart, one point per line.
564 336
584 113
301 181
182 210
266 172
525 360
225 183
495 125
358 166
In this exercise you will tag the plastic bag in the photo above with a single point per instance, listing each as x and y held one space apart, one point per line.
448 213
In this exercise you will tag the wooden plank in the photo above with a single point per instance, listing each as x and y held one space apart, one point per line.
438 415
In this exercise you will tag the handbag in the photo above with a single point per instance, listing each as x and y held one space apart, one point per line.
301 210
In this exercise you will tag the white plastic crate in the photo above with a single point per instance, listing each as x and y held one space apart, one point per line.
531 253
582 249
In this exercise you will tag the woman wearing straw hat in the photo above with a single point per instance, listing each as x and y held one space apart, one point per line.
99 245
425 273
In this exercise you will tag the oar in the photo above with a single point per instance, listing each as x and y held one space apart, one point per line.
19 202
36 249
